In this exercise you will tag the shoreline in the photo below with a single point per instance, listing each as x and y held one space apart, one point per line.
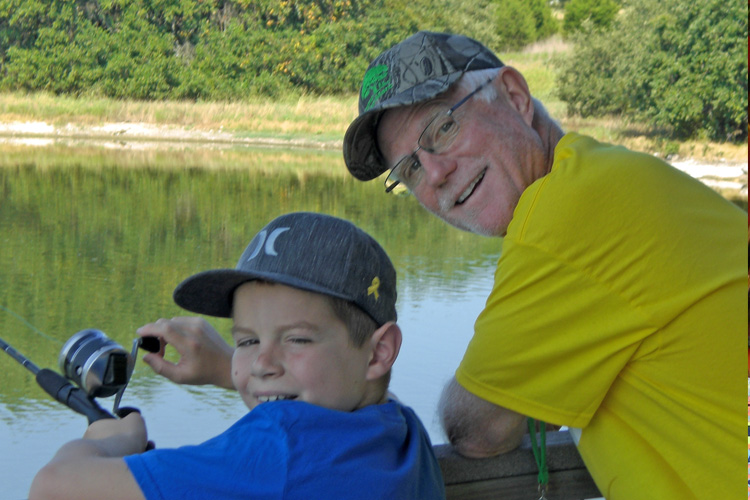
144 136
729 176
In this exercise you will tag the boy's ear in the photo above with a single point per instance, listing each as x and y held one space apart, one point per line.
385 344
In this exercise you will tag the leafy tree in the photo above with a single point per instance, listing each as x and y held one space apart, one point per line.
516 26
681 65
476 18
521 22
598 14
62 52
545 25
141 63
211 49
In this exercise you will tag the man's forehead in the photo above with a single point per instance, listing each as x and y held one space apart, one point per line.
400 124
413 118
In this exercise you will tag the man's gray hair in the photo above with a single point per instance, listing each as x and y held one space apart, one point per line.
473 79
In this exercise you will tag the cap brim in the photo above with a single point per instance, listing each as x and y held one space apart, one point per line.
212 292
361 153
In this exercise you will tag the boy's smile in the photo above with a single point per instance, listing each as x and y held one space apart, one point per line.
291 346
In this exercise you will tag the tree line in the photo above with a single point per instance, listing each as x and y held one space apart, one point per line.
680 65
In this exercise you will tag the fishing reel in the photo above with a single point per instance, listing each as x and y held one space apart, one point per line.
96 364
100 366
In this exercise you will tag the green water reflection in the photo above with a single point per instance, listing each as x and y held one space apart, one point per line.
97 238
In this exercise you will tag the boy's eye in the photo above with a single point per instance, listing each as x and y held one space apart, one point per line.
246 342
299 340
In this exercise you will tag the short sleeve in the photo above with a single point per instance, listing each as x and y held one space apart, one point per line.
249 460
550 340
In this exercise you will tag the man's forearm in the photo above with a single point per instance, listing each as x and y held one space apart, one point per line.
477 428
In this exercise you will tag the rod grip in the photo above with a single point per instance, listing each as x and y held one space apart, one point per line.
66 393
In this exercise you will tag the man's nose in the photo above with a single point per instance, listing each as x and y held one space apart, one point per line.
437 168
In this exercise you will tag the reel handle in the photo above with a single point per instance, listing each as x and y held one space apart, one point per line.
66 393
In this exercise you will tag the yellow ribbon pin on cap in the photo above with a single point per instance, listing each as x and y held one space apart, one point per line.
373 289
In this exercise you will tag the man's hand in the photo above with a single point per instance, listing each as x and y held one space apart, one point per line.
477 428
205 358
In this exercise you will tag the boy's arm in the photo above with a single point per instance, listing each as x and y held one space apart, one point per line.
93 467
205 358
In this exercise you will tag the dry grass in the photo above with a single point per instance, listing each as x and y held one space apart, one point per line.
325 117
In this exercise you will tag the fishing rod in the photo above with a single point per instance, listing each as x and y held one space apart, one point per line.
96 364
59 388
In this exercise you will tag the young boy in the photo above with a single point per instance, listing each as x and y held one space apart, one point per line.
313 306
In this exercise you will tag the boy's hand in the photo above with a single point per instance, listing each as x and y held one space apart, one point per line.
93 467
118 438
205 358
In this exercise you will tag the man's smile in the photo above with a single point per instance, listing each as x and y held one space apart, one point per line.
470 190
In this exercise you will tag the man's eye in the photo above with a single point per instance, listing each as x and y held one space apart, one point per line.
446 127
444 133
440 133
411 168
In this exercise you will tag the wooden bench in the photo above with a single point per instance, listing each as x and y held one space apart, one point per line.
514 475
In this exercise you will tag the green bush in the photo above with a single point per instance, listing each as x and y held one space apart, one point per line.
544 23
596 14
515 24
521 22
200 49
681 65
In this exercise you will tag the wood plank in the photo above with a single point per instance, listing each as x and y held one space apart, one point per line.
564 485
514 475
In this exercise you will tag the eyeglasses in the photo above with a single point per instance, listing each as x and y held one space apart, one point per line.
436 138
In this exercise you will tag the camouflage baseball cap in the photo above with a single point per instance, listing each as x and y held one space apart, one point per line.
416 70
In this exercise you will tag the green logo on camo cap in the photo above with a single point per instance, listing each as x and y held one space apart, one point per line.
375 85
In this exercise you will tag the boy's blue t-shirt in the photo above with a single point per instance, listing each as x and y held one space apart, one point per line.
291 449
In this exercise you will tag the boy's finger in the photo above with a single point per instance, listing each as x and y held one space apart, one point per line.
165 330
177 373
162 367
152 344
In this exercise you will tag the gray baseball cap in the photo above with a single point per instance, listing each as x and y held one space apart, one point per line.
310 251
416 70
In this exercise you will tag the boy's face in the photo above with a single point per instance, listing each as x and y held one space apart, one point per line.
290 345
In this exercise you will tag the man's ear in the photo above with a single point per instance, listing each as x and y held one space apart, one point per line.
512 86
385 344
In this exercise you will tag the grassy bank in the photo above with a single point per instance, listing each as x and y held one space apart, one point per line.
325 119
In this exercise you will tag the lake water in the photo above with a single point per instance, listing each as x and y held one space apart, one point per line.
98 238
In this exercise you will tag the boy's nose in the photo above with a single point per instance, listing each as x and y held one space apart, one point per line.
267 363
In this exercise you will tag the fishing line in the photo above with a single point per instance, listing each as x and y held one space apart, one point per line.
32 327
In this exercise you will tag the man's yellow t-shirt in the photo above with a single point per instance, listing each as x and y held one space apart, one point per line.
619 307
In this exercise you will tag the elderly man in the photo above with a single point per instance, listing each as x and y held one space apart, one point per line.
618 307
